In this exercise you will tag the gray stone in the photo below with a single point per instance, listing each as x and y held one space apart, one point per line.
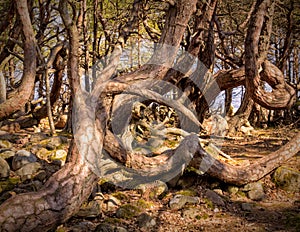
7 154
28 170
105 227
215 198
179 201
5 144
246 206
4 169
145 221
255 191
287 179
21 158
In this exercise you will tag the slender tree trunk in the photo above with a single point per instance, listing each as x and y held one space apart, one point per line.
15 103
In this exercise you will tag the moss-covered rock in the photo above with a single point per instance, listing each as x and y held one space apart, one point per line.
287 179
128 211
9 184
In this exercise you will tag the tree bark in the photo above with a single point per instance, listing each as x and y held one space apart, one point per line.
15 103
60 197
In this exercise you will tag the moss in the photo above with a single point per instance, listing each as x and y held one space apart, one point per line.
112 220
204 216
128 211
120 196
187 192
9 184
209 203
198 217
241 193
142 204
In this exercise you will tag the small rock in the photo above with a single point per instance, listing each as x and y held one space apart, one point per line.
60 155
7 154
218 191
5 144
232 189
216 210
21 158
112 203
28 170
153 189
85 226
54 142
37 137
246 206
104 227
287 179
145 221
247 129
90 210
214 197
191 213
4 169
179 201
255 191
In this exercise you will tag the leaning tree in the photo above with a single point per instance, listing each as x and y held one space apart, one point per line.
103 143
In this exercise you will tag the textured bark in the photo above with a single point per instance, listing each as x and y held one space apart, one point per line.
60 197
16 102
282 96
240 175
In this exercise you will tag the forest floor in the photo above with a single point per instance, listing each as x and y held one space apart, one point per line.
279 210
229 210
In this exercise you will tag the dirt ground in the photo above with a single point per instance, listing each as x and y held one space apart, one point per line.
278 211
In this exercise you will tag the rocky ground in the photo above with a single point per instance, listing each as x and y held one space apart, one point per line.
193 203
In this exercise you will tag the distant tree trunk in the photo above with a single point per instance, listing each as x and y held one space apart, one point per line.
16 102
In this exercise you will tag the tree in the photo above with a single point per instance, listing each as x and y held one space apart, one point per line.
95 143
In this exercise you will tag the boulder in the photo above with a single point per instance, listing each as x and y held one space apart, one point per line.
287 179
255 191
